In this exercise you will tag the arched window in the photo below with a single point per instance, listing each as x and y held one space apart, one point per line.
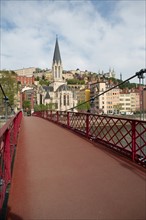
59 72
64 99
67 99
60 99
55 71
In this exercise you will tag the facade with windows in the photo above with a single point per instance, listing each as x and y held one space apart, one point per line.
130 100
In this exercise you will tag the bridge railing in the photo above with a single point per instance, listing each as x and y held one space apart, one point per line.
8 140
126 136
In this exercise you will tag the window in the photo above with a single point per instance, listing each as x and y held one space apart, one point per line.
60 99
55 71
64 99
59 72
68 99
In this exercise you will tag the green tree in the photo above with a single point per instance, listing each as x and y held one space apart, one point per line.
44 82
82 106
51 106
75 81
26 105
40 107
8 82
117 107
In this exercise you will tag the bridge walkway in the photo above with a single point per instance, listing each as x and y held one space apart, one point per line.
59 175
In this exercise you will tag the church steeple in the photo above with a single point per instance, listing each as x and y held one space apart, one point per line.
56 57
57 63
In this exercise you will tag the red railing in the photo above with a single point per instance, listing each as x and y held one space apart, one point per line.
8 141
126 136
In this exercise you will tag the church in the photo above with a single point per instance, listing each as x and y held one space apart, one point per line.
57 95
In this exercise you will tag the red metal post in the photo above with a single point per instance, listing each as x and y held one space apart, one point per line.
68 120
47 114
57 116
133 140
51 115
87 125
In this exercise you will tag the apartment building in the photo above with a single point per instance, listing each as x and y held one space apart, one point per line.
130 100
96 88
108 100
112 99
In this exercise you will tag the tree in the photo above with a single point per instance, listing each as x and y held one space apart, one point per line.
81 106
8 81
117 107
40 107
75 81
26 105
51 106
44 82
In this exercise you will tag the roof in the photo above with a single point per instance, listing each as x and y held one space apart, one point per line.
63 87
56 57
46 88
47 95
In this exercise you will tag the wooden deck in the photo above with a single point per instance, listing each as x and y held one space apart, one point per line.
59 175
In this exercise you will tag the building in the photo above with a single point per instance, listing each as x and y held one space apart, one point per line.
25 71
112 98
144 99
58 94
67 75
25 80
130 100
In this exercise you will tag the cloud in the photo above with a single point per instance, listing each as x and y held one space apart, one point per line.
93 35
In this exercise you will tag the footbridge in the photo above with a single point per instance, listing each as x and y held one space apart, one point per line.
67 165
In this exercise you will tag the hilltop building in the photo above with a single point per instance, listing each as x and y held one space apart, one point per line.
25 71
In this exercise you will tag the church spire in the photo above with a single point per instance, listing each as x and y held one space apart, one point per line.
57 63
56 57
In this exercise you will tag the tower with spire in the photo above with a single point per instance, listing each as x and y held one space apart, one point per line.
58 94
57 63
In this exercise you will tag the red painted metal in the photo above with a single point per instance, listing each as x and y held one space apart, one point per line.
133 140
126 136
87 126
68 120
8 140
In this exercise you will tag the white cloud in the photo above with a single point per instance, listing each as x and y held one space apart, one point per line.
88 37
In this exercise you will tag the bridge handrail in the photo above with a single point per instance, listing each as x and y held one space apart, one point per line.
8 140
124 135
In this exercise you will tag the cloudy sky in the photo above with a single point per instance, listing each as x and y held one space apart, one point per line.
93 35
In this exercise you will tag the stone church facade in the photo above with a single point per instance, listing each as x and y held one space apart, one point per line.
57 94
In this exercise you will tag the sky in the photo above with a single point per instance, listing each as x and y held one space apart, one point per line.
93 35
